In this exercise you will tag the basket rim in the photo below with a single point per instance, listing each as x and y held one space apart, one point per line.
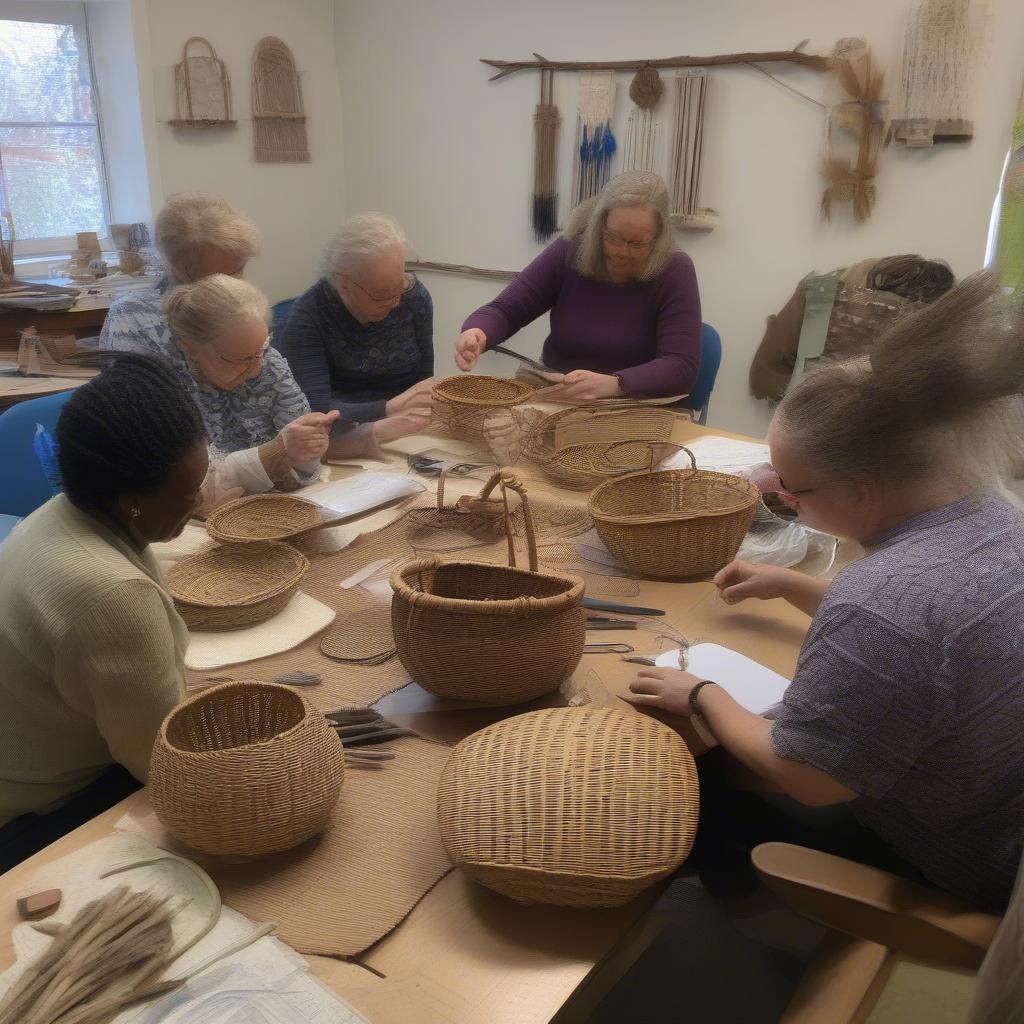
300 568
647 519
307 708
464 606
440 390
617 875
221 511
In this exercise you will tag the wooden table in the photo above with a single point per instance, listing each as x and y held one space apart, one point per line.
466 955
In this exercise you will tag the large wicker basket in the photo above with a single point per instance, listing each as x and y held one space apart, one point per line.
673 523
230 586
490 633
581 807
462 403
247 769
262 517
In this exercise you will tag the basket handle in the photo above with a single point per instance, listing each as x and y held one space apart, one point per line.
509 481
440 487
198 39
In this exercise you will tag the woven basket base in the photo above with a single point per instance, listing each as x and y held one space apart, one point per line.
364 637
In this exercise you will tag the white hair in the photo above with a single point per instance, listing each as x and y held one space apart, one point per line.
202 311
361 239
190 220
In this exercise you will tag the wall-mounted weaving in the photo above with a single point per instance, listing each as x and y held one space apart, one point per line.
546 122
202 87
641 149
691 93
595 143
279 124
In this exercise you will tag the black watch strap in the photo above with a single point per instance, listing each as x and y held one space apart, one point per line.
695 692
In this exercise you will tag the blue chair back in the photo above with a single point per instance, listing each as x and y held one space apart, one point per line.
279 317
710 361
23 485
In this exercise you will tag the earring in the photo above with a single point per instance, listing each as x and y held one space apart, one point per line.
135 511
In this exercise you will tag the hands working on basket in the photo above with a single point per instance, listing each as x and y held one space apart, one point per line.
664 688
414 401
306 438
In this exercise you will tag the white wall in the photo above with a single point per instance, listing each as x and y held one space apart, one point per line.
296 206
428 139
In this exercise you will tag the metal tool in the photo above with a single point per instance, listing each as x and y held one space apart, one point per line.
358 726
553 376
596 604
603 622
607 649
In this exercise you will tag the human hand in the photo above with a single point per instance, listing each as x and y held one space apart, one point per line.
583 386
218 489
392 427
418 397
306 438
469 346
665 688
740 580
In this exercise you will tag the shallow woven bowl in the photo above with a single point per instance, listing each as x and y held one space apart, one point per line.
246 769
581 807
263 517
674 523
230 586
463 402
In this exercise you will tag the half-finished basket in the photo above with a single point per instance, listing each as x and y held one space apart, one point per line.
462 403
234 585
581 807
262 517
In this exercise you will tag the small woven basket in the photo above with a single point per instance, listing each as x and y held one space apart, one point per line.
490 633
581 807
246 769
674 523
262 517
230 586
462 403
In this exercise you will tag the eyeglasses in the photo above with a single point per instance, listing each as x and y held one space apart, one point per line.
792 493
618 242
249 361
408 283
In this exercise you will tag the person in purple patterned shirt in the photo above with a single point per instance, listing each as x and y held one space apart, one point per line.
624 305
907 705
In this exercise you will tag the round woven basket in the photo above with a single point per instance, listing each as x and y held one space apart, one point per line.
261 517
462 403
491 633
673 523
230 586
581 807
245 768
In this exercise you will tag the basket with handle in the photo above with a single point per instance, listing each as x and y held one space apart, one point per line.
582 807
462 403
671 524
230 586
490 633
246 768
263 517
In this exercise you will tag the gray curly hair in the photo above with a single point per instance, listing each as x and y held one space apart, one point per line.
191 220
361 238
202 311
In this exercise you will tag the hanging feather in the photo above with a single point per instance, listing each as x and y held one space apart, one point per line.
45 446
546 122
595 141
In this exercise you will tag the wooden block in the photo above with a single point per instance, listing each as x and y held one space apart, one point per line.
38 905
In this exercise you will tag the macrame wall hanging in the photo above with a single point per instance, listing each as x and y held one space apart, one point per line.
595 142
279 124
546 122
934 97
640 148
690 95
202 88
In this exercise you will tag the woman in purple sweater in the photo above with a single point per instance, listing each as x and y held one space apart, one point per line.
624 305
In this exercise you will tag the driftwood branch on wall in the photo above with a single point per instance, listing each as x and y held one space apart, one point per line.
814 62
460 268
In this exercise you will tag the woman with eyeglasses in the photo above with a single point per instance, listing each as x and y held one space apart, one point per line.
898 741
361 341
624 304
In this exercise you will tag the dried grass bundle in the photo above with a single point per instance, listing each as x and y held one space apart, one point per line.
546 122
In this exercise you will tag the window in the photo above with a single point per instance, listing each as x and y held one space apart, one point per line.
51 162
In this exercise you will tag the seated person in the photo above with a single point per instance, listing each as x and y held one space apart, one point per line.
624 305
908 697
91 647
198 235
361 340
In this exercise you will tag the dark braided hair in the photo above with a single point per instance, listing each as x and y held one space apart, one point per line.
125 430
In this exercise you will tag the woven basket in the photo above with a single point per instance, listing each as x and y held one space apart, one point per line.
246 769
491 633
581 807
262 517
674 523
230 586
462 403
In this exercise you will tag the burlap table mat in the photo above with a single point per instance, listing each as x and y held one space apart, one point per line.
342 892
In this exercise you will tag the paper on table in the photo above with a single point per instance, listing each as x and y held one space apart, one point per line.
722 454
364 491
749 683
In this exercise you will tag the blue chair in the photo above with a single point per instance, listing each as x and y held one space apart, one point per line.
23 485
710 361
279 317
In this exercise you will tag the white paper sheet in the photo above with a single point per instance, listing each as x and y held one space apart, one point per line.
363 492
721 454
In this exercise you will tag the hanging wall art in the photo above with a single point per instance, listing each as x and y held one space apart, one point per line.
202 87
595 142
641 149
690 94
546 122
279 123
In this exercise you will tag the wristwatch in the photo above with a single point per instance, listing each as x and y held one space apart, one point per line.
694 706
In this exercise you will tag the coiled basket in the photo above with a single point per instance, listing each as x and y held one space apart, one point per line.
462 403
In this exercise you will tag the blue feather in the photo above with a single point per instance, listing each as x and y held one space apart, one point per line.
45 446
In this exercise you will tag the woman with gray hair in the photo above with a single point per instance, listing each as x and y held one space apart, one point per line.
624 304
198 235
361 340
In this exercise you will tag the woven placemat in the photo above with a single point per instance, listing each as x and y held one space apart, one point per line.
363 637
340 893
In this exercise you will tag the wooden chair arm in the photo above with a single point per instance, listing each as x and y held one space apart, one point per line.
923 923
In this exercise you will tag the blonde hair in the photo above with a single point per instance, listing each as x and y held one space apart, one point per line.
362 238
940 396
587 222
191 220
202 311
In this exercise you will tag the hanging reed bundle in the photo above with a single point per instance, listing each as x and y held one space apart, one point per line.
595 142
279 123
641 144
546 122
691 92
